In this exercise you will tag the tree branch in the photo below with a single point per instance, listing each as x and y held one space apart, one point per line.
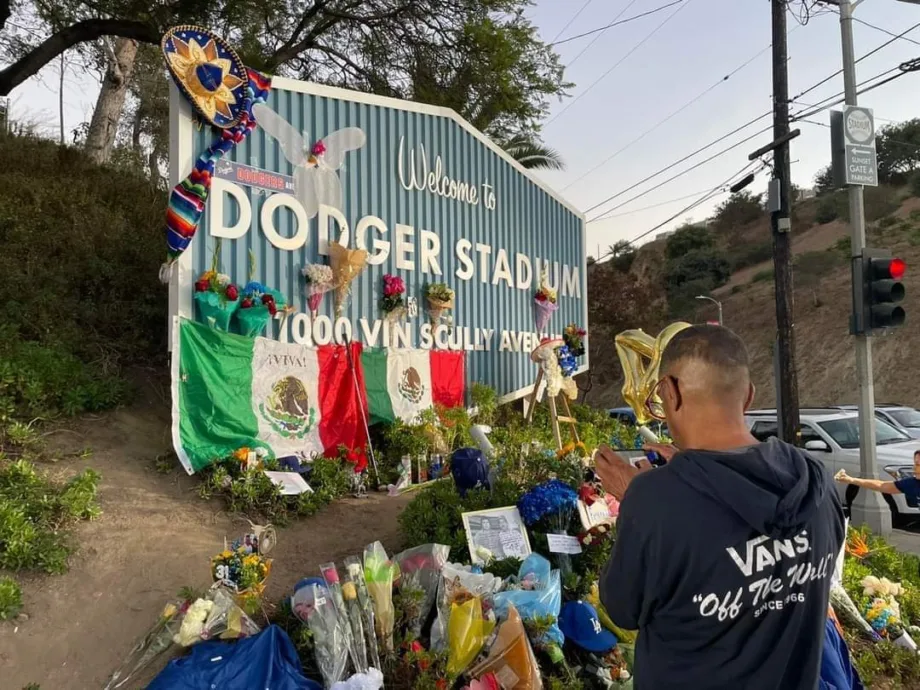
68 37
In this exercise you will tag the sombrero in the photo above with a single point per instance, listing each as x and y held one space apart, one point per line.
546 344
208 72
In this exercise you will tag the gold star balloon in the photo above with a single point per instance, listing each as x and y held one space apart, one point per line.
640 357
208 72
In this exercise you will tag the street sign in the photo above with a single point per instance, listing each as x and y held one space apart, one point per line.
853 134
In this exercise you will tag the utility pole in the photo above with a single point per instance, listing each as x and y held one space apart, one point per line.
868 508
787 384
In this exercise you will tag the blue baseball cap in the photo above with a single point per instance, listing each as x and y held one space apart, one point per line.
470 470
580 624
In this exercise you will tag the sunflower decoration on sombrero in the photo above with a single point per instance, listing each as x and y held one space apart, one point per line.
223 91
208 71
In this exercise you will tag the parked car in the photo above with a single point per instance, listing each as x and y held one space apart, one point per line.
907 419
832 436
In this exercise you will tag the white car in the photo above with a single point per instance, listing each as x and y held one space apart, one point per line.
832 436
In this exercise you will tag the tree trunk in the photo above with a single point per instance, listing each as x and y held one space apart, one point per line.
104 126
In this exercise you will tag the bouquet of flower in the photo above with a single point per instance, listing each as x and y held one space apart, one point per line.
353 631
553 503
467 632
329 634
157 640
544 304
379 573
440 298
243 572
566 360
217 299
354 575
883 612
419 573
258 306
393 303
346 265
573 337
319 282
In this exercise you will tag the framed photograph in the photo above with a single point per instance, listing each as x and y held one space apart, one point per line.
500 531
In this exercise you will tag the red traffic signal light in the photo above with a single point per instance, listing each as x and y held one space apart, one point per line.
877 289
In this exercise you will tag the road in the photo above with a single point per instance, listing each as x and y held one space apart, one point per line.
906 541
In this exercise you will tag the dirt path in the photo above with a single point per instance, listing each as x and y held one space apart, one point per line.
154 537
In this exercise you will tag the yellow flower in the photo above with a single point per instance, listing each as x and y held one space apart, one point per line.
242 454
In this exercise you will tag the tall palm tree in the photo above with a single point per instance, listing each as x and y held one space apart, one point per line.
532 153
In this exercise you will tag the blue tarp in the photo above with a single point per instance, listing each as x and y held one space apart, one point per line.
836 671
267 660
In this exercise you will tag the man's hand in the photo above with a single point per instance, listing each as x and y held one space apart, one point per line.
843 477
666 451
615 472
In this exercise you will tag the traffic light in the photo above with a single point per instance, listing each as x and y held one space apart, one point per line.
877 290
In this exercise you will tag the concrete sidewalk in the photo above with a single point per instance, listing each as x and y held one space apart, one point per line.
908 542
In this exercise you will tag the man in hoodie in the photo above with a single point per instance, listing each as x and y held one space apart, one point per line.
724 556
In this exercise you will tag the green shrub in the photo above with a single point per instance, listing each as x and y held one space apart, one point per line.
253 494
828 209
10 598
34 513
761 276
749 255
79 269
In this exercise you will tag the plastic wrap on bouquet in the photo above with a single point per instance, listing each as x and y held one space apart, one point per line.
511 653
253 319
216 310
847 611
540 597
353 630
346 265
379 573
459 583
436 309
420 571
319 281
543 311
467 632
226 620
157 640
354 574
372 680
330 639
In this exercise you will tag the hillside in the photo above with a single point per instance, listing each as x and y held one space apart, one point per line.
826 364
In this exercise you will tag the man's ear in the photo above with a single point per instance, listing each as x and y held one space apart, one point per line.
752 390
672 389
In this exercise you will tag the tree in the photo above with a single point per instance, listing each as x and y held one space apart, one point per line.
898 151
741 208
686 239
532 154
103 127
824 181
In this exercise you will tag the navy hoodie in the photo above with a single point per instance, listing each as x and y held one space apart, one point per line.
723 562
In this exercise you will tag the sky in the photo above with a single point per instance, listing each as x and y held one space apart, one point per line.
640 73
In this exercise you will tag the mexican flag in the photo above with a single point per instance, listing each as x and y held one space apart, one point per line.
230 391
402 383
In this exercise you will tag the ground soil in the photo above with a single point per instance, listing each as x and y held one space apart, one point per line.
154 537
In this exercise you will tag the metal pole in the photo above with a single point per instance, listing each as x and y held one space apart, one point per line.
787 388
869 508
720 313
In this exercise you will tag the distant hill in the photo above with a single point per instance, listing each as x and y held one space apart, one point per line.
826 365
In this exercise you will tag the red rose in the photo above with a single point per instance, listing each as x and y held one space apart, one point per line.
246 303
541 297
232 292
202 286
266 298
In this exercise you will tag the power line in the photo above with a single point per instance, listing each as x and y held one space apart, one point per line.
726 150
706 197
570 22
682 160
620 61
869 54
840 99
673 115
597 38
613 24
652 206
886 31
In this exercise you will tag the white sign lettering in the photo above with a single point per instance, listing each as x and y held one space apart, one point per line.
417 174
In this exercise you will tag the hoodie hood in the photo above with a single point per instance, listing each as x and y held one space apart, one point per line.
774 487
